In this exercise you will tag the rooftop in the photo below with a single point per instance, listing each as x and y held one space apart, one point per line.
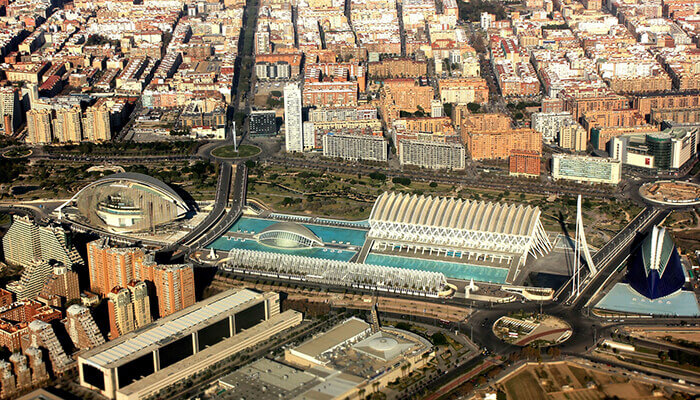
167 329
334 337
401 208
266 379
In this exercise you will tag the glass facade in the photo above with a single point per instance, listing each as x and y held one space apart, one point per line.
660 147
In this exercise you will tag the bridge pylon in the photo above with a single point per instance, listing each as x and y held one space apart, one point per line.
581 250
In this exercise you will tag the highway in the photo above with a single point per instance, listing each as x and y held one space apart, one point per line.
223 190
238 190
480 181
468 178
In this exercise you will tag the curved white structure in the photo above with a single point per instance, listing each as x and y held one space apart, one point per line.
288 235
333 272
449 224
127 202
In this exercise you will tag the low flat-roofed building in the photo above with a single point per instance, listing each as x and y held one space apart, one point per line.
263 122
173 348
310 352
351 357
279 380
40 394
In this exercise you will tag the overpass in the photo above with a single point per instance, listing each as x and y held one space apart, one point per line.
238 189
231 194
223 190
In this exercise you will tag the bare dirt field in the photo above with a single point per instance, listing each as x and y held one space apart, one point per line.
567 381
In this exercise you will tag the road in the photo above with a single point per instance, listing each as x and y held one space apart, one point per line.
238 188
611 255
223 190
502 183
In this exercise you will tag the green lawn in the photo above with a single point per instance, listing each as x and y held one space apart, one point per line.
244 150
17 153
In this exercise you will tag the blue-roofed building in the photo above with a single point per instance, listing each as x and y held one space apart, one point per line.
655 268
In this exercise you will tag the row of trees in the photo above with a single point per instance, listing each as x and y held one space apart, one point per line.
128 147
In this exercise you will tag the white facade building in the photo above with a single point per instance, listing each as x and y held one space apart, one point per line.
294 133
429 154
550 124
486 20
586 169
355 147
475 230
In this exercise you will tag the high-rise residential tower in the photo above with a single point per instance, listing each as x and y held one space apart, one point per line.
39 126
111 267
129 308
174 286
10 112
294 135
96 124
67 125
81 328
26 242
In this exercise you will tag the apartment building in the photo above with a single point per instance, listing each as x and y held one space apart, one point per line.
60 287
499 145
81 328
129 308
26 242
525 162
355 147
463 90
432 154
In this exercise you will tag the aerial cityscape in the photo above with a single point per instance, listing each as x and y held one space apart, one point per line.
350 199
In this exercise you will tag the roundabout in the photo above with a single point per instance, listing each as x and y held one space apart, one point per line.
17 153
230 152
671 193
532 329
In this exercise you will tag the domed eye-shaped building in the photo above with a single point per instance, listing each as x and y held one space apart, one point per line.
288 235
655 269
128 202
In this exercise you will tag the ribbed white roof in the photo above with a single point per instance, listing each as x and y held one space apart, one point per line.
167 329
444 212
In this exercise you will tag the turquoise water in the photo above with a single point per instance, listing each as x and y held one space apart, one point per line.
328 234
622 298
450 269
224 243
251 225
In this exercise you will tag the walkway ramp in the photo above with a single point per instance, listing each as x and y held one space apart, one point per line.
366 247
